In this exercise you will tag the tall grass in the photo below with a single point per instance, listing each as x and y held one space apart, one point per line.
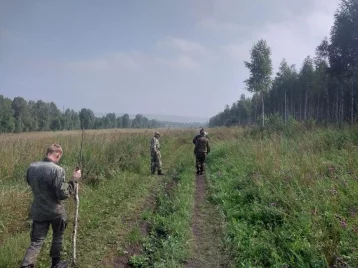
116 183
290 201
288 195
167 245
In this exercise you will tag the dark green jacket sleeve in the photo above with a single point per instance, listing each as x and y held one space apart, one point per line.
63 189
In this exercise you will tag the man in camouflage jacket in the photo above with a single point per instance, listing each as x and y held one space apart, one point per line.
201 150
156 162
197 136
47 182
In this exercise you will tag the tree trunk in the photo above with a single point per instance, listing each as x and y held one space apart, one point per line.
337 108
342 111
239 116
263 109
306 103
318 112
327 112
255 114
285 107
293 108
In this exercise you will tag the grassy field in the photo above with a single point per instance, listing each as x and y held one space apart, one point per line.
115 188
288 198
289 201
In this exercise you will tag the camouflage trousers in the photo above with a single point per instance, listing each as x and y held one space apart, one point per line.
200 161
38 234
156 162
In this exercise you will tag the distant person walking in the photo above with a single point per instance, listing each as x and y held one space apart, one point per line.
156 162
47 182
201 150
197 136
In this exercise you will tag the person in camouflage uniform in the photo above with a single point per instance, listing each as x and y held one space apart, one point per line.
47 182
201 150
156 162
197 136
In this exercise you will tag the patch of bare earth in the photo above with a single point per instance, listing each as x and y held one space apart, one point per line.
131 222
207 228
136 249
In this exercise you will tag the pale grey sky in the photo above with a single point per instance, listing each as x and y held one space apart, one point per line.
152 57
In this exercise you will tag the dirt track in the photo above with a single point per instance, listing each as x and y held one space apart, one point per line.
207 230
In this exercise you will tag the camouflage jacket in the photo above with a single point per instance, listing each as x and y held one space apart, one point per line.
196 138
47 182
154 145
202 145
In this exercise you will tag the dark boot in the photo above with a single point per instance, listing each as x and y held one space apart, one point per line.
197 172
61 264
160 172
55 261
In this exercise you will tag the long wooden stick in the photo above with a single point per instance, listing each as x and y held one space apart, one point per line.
77 201
75 225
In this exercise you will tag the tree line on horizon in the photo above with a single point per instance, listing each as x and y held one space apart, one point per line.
325 89
19 115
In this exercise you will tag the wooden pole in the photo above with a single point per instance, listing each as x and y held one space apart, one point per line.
75 225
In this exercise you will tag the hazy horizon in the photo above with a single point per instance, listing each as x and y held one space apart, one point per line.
164 117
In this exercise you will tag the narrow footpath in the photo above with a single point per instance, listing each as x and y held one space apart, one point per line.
207 228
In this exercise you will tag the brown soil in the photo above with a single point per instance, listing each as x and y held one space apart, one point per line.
122 261
136 249
131 222
207 228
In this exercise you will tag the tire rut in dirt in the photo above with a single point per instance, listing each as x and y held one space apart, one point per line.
136 249
131 222
207 229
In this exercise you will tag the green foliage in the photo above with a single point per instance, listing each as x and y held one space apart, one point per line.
325 89
275 123
7 122
126 123
19 116
343 51
240 113
289 201
138 261
260 67
87 118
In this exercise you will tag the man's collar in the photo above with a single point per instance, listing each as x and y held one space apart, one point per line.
46 159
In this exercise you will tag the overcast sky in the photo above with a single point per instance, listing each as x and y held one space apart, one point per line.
182 57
